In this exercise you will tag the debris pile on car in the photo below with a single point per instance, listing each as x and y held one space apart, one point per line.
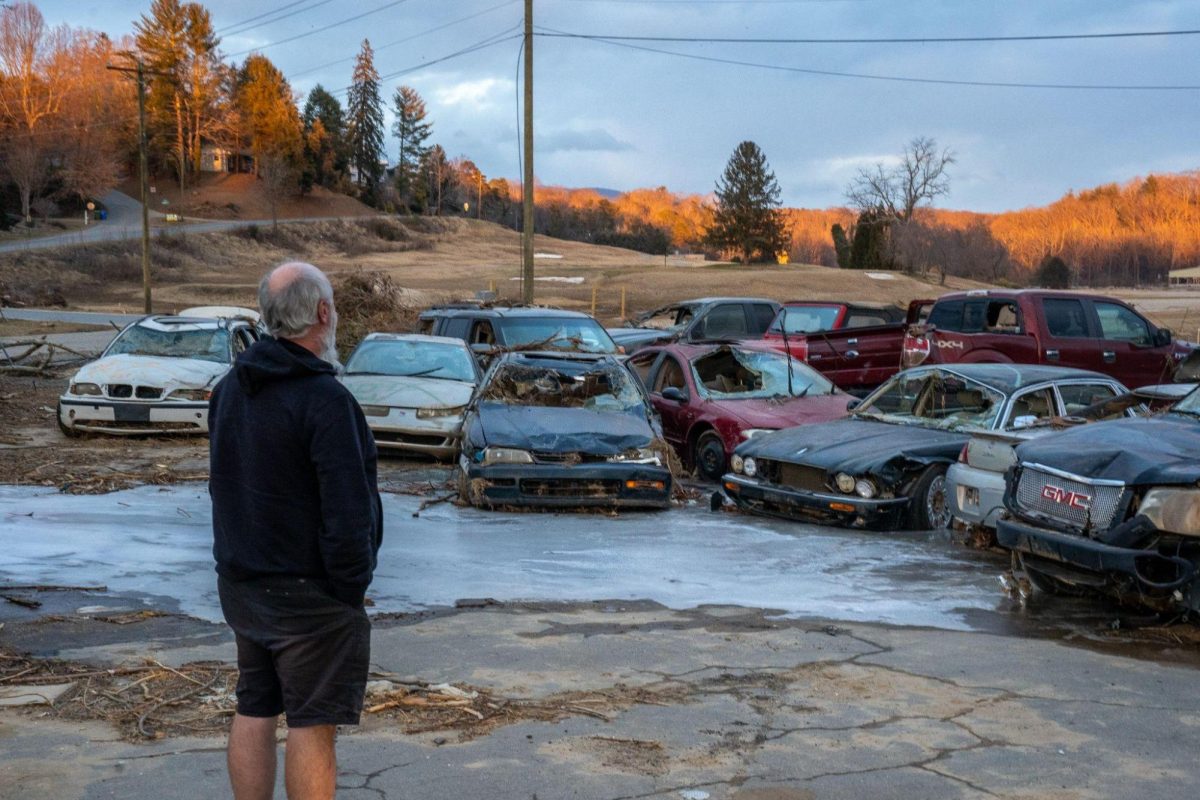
369 301
549 388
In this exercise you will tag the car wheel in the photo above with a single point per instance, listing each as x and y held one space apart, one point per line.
1049 584
930 503
67 430
709 456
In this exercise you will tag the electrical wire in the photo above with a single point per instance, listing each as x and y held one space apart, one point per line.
321 29
1050 37
243 26
381 47
900 78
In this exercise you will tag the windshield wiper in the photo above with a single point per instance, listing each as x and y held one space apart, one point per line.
418 373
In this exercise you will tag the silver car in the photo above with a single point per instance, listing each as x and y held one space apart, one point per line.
975 485
413 390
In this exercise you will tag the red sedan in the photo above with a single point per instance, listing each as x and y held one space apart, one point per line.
713 397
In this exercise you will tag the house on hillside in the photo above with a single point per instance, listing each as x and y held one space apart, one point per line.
1184 277
214 158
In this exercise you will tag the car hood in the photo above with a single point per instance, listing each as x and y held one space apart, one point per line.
789 413
858 446
1158 450
170 373
562 430
415 392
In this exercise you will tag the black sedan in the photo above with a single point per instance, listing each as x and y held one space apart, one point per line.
1112 507
563 431
884 466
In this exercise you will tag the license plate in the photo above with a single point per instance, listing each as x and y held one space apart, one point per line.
131 413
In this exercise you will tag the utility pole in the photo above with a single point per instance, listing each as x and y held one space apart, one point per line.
527 179
144 168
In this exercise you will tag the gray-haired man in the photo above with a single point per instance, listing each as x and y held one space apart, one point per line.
297 524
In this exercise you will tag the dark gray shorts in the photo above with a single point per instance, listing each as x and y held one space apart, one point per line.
301 652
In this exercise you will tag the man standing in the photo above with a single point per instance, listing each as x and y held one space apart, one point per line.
297 524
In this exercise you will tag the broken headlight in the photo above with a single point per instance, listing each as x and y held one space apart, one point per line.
750 467
191 394
375 411
1173 510
506 455
845 483
735 463
433 413
641 455
85 388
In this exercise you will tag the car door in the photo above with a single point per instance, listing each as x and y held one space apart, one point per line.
676 416
1067 336
1127 348
761 317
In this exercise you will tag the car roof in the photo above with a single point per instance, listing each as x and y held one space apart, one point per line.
550 358
1009 378
383 336
1007 294
500 312
704 301
221 312
165 322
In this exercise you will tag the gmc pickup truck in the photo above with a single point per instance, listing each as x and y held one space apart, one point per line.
1042 327
856 346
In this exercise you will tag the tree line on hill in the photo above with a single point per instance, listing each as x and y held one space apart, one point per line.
68 131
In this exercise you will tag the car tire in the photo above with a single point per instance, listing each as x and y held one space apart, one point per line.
930 503
1046 583
67 430
709 456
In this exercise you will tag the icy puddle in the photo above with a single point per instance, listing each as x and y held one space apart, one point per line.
156 542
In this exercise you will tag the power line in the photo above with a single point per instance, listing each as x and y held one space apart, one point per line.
408 38
321 29
899 78
244 25
884 40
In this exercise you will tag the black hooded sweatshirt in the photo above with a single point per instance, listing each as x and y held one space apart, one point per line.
292 473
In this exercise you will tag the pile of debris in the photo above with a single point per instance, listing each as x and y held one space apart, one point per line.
37 356
368 302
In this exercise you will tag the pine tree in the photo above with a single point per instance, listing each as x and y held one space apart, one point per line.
161 39
412 130
325 138
747 219
364 123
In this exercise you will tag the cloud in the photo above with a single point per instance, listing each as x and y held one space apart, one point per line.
480 93
845 167
595 140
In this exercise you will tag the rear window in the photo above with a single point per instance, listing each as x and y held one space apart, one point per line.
807 319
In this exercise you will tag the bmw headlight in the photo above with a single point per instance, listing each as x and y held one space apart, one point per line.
375 411
506 455
191 394
641 455
1173 510
865 488
750 467
433 413
750 433
735 463
844 482
85 388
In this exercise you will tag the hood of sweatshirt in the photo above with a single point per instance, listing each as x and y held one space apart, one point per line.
271 360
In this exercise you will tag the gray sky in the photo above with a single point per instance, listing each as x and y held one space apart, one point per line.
622 118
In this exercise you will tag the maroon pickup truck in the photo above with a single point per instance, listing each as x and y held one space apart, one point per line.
1043 327
856 346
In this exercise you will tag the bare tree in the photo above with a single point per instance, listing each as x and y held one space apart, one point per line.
276 177
898 192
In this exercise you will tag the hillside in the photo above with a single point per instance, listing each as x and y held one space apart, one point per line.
239 196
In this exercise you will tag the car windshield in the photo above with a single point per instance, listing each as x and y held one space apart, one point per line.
806 319
1189 405
934 400
597 387
558 333
406 359
206 344
733 373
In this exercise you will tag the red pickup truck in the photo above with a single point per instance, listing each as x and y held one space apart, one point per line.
1043 327
857 346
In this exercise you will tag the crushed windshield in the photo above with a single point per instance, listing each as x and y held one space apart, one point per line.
208 344
730 373
603 387
934 400
564 333
1189 405
668 319
412 359
806 319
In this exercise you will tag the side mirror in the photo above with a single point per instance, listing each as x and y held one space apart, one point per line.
1162 337
675 394
853 403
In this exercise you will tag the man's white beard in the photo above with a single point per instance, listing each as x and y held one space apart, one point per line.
329 344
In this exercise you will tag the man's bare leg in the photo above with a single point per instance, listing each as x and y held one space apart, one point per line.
251 757
310 768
